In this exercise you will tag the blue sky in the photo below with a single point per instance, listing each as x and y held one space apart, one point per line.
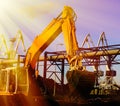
32 16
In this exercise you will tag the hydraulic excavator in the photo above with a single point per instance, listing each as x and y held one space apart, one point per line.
80 80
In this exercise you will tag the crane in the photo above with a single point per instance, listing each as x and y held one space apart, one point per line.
8 71
3 43
13 50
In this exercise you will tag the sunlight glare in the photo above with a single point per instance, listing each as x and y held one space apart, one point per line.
4 4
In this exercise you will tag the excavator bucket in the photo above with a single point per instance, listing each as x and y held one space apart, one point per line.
80 82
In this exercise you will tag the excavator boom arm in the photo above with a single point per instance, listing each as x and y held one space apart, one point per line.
42 41
63 23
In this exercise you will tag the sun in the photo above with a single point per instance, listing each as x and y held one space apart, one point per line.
4 4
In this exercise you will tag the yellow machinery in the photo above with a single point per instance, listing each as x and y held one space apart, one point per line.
64 23
24 79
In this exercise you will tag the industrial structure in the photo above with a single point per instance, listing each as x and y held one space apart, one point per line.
19 74
96 56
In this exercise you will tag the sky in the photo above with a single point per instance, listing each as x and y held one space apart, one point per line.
32 16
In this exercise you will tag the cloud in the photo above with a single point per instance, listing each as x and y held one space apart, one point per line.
36 10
